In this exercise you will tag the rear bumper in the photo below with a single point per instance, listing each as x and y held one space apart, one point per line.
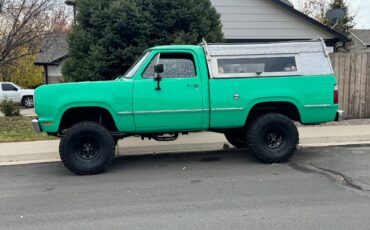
339 116
36 126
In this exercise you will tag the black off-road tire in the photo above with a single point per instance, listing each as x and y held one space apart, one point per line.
264 140
237 139
28 102
87 148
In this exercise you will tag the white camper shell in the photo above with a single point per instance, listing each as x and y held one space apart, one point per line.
306 58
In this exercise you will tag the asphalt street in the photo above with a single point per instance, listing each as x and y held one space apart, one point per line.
321 188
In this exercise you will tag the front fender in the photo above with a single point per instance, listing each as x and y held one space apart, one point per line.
52 124
52 101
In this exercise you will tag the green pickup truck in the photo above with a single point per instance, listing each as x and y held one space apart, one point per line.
253 93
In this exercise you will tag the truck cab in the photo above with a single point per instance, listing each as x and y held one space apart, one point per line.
176 99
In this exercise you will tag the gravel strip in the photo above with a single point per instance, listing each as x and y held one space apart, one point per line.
343 123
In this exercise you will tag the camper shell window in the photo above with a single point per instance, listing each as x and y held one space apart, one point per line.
255 66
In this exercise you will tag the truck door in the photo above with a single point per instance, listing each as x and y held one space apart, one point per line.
10 92
178 105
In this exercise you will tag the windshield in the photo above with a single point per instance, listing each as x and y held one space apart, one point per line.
17 86
134 68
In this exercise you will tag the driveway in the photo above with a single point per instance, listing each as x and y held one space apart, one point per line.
28 112
321 188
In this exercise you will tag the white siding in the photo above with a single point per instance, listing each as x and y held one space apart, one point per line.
55 73
262 19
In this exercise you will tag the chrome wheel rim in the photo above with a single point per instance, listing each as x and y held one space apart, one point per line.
28 102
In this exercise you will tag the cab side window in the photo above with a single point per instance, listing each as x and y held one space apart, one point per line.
8 87
176 65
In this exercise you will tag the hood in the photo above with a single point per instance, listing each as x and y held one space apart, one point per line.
82 91
52 100
75 87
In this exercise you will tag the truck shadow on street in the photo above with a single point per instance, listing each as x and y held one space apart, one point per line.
230 156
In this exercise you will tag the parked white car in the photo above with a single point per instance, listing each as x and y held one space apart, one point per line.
11 91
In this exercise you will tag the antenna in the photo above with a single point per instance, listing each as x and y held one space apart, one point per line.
335 15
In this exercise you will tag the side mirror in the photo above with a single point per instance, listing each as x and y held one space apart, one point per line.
158 69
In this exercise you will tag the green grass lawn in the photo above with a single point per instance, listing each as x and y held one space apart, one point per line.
16 129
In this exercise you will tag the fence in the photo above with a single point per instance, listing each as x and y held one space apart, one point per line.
353 75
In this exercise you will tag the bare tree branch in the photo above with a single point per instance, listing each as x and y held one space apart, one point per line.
24 23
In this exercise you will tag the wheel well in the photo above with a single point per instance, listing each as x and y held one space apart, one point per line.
97 114
24 96
286 108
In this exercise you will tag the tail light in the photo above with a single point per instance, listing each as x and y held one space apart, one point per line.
336 94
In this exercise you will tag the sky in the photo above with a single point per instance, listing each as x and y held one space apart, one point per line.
361 8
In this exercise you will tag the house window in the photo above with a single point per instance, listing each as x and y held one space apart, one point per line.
256 66
176 65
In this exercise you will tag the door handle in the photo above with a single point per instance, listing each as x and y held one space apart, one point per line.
193 85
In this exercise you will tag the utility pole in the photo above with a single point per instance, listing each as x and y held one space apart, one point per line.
73 4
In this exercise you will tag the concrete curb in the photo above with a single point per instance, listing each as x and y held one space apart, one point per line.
24 159
334 144
47 151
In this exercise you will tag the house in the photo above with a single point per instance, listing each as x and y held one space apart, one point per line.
51 56
271 20
360 41
244 21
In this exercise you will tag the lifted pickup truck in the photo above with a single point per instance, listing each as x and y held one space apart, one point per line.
252 93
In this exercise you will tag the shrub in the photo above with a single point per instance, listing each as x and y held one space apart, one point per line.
110 35
9 108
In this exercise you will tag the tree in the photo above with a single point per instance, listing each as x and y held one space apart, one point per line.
317 9
20 28
107 38
110 35
23 23
346 25
314 8
24 73
182 22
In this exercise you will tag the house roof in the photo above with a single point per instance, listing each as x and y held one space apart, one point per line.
288 6
54 49
362 35
55 46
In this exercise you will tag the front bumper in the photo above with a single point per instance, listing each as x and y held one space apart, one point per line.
36 126
339 116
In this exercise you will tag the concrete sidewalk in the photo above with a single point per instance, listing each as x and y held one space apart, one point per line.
47 151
